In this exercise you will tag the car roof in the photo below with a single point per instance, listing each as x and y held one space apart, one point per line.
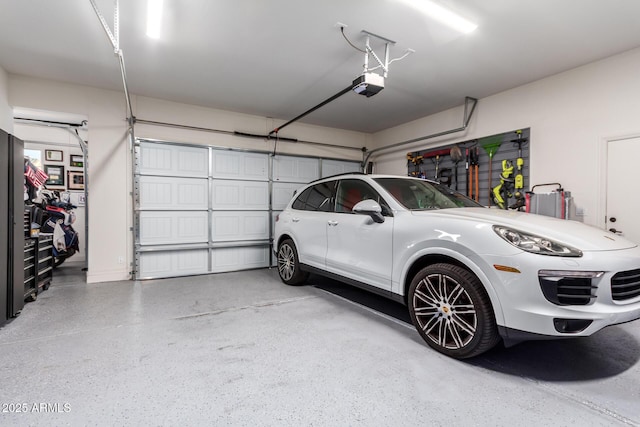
370 176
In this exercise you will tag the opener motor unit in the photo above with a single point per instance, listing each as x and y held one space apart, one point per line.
368 84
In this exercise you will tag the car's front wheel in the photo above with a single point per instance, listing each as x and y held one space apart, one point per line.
451 311
288 264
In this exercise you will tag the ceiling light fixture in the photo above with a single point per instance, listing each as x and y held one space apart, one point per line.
442 14
154 17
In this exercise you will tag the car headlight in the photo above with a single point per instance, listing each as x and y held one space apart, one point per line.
535 244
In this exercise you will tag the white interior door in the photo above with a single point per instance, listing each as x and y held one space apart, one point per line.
623 175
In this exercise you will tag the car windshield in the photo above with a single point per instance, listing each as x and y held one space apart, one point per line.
415 194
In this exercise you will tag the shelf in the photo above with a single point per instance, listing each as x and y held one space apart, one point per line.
40 261
38 269
41 272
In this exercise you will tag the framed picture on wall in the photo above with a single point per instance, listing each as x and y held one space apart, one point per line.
56 174
76 160
53 155
75 180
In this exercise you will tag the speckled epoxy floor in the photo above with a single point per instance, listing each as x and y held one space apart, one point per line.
243 349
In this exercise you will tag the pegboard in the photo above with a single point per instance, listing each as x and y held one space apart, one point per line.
423 164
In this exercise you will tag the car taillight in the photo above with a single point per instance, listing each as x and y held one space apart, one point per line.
277 217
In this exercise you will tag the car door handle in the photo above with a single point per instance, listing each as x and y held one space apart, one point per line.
613 230
295 219
332 223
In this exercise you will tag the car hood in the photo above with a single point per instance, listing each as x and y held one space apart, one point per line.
573 233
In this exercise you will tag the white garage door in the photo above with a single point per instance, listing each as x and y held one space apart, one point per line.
202 210
172 211
240 210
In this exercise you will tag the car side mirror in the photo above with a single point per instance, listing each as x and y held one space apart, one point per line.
371 208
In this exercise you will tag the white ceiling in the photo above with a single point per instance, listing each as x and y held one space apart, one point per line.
278 58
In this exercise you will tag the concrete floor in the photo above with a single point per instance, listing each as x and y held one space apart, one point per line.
244 349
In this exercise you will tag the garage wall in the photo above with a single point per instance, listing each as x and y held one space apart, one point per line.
108 191
6 122
570 116
110 211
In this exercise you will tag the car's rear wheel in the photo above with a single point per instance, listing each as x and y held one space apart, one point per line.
288 264
451 311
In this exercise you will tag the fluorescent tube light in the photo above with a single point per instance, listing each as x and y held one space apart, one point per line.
442 14
154 18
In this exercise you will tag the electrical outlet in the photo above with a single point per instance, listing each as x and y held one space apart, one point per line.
120 259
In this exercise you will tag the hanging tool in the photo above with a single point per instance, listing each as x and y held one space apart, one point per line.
468 175
437 163
491 146
445 176
519 178
456 156
436 154
474 158
471 165
504 191
416 159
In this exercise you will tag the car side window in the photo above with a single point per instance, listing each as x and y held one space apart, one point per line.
352 191
318 197
299 203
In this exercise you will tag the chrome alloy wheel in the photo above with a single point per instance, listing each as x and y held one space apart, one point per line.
286 262
444 311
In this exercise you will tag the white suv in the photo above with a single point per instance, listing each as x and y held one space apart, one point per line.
469 275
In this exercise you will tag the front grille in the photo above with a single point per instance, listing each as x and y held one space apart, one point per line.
625 285
567 290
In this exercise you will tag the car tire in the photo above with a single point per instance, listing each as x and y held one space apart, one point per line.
451 311
288 264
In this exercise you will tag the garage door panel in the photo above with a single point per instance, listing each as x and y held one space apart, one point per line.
155 264
163 228
155 229
282 194
188 262
156 192
237 226
256 195
240 195
240 165
173 263
335 167
192 194
173 160
295 169
231 259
